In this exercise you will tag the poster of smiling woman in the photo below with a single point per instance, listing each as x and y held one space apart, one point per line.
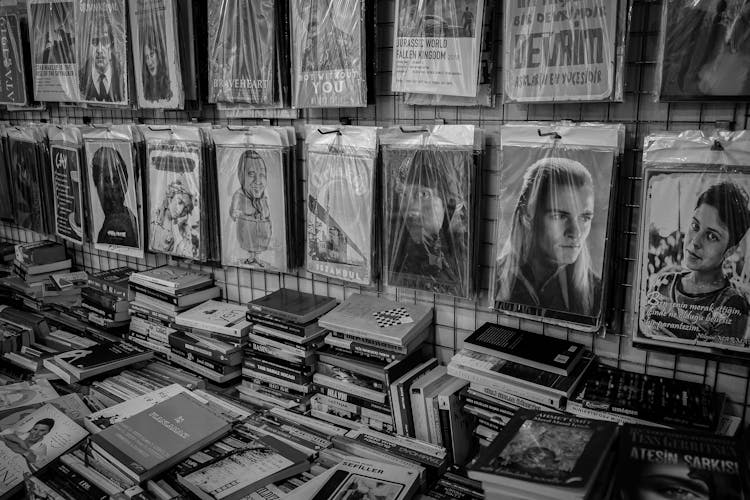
553 222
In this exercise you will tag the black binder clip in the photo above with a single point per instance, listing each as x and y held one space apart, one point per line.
552 134
716 146
334 131
415 131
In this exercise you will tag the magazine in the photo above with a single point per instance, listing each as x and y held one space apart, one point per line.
65 161
25 180
13 82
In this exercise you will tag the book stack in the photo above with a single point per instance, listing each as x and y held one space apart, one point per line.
372 343
106 298
280 356
542 455
159 295
14 335
212 336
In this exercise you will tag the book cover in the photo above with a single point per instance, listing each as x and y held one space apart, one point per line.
377 318
114 184
68 183
545 353
22 394
292 305
559 53
546 448
151 441
360 476
54 55
102 51
437 46
224 317
242 51
80 360
340 194
695 465
172 277
34 442
13 83
175 176
328 47
158 77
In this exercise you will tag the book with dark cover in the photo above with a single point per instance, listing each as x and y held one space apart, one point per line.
291 305
114 281
545 451
40 252
83 363
16 76
159 437
531 349
698 465
67 483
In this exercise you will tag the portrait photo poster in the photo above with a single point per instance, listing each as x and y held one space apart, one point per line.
437 46
242 51
54 55
14 79
156 61
252 199
553 221
65 162
328 49
102 52
114 186
340 196
174 192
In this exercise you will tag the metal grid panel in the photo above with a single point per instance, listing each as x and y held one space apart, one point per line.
457 318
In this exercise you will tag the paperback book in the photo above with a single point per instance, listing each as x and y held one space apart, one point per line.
220 317
287 304
65 160
22 394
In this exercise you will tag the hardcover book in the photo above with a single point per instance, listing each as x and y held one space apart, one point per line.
157 438
39 253
14 83
34 442
84 363
65 155
292 305
222 317
531 349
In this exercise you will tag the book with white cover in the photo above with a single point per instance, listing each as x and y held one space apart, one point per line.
220 317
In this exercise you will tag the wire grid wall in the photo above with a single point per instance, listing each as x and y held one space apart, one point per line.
456 318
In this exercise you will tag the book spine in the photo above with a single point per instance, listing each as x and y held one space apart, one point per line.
579 410
276 370
432 418
397 349
419 415
270 346
102 300
362 392
444 429
147 342
228 330
136 308
513 399
202 370
114 316
367 353
287 328
155 294
212 365
298 388
256 310
349 398
186 345
150 330
120 291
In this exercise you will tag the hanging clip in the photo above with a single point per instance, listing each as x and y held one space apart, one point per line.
552 134
334 131
716 146
417 130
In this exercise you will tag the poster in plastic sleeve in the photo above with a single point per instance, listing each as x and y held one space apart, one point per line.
102 52
156 64
66 177
252 208
54 58
340 178
328 54
113 185
428 209
27 198
174 191
705 51
437 46
242 51
693 290
13 77
553 223
6 202
559 51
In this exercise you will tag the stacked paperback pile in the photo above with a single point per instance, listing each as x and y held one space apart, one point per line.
280 357
107 298
372 342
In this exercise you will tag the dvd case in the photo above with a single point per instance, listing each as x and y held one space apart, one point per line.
158 77
242 51
102 52
429 183
114 190
436 47
339 205
252 188
15 77
175 191
692 286
564 52
553 223
328 54
711 66
54 56
65 161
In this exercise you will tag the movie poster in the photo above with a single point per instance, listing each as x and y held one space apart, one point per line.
66 177
252 202
27 197
328 54
156 64
340 179
706 50
559 51
113 185
13 77
437 46
174 192
102 52
52 29
428 206
242 51
553 221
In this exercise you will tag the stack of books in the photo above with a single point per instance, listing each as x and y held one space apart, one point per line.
372 342
106 298
212 336
280 356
